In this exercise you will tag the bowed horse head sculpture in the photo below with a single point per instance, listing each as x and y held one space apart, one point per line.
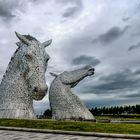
34 62
24 79
64 104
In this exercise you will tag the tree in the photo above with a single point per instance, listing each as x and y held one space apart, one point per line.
47 113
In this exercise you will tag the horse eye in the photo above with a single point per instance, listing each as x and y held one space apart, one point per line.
47 59
28 56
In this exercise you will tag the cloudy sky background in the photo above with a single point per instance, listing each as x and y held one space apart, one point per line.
104 34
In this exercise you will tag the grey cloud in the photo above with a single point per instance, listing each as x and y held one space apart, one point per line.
1 71
75 2
70 12
7 9
40 107
132 47
132 95
37 1
138 6
55 69
102 102
113 102
111 35
113 83
137 72
85 60
63 1
126 19
1 74
119 80
74 9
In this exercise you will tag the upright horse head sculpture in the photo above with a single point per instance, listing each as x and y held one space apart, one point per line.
64 104
24 79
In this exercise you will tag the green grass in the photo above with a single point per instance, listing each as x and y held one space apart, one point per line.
73 126
121 118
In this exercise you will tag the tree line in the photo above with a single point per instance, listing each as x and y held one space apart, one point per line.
113 110
116 110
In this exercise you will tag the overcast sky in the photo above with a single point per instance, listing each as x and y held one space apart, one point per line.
101 33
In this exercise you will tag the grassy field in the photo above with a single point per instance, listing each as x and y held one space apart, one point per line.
119 117
73 126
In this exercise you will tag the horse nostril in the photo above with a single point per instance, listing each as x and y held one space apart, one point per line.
41 89
91 70
36 89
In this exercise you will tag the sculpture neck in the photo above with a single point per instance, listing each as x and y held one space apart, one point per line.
13 81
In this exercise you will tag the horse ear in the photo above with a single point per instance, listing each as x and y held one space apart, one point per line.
53 74
47 43
23 39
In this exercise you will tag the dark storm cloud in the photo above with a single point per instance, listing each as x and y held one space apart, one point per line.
132 95
132 47
118 84
120 81
107 102
111 35
85 60
7 9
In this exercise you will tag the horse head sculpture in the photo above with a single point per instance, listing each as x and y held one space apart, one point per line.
24 79
64 104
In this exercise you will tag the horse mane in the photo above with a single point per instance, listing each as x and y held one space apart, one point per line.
30 37
10 63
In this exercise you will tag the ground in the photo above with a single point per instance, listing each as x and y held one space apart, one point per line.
17 135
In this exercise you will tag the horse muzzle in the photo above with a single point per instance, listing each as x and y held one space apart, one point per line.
91 71
40 89
39 92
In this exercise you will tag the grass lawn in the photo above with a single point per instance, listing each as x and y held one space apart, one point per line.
121 118
73 126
